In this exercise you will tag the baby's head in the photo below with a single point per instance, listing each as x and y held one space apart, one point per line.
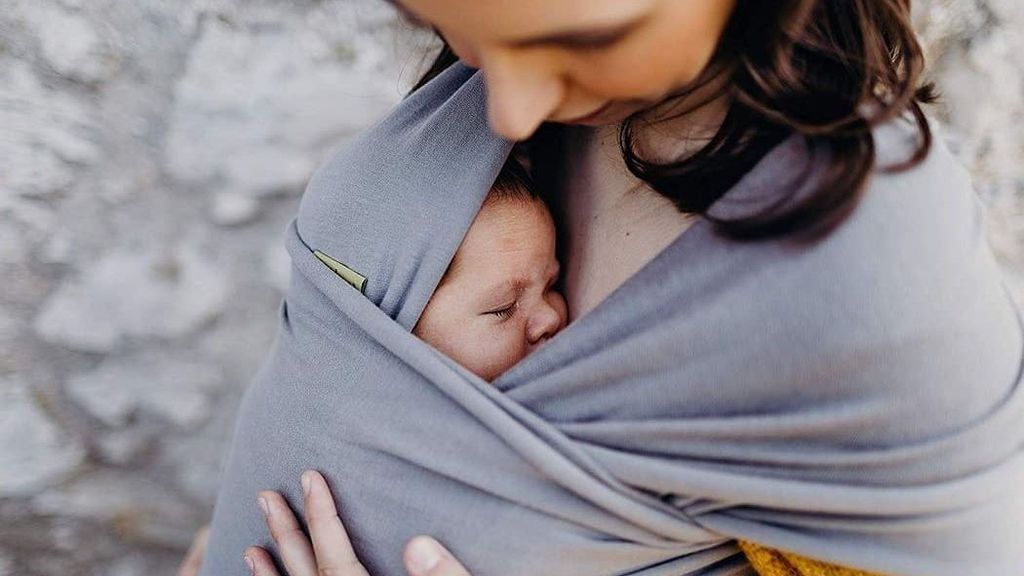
496 302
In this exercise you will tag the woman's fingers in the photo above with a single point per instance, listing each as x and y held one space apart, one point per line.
194 557
425 556
260 563
334 553
330 551
292 543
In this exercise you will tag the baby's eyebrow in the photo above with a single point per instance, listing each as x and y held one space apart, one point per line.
515 286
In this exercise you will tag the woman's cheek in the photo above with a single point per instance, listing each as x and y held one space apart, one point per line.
672 58
616 77
467 55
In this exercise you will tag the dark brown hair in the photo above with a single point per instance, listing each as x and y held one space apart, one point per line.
513 183
826 69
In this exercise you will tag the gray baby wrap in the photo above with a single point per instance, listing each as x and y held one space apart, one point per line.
857 400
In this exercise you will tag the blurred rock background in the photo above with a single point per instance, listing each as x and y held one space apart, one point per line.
152 152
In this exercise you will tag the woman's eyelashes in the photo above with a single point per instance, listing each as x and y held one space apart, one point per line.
594 43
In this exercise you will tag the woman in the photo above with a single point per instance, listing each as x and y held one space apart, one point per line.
683 98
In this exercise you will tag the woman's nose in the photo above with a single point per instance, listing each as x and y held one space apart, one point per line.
521 92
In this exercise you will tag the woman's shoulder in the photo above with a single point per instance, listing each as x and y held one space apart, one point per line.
935 193
915 265
923 231
917 215
924 217
906 287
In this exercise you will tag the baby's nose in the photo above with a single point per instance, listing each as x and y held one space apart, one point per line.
547 321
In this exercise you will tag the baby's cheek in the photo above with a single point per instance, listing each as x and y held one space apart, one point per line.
498 351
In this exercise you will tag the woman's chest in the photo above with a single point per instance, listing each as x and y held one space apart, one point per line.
612 225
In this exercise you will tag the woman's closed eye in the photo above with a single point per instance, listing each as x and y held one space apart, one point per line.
584 39
592 43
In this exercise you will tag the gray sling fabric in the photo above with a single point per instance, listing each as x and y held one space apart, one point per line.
857 400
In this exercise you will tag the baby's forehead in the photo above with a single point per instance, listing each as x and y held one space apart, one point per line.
526 221
485 245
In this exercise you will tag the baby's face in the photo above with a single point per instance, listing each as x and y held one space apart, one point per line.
496 304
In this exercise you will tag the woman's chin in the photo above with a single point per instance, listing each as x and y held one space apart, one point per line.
614 112
597 115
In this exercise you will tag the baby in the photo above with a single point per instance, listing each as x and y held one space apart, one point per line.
496 303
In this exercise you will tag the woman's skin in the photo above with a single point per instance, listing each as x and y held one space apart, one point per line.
556 61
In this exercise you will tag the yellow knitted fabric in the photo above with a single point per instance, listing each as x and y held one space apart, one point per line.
769 562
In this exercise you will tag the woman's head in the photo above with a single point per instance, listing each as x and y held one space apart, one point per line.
826 69
560 60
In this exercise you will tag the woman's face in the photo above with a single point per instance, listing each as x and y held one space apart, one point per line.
564 60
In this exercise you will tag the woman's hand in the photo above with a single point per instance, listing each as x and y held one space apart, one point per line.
327 551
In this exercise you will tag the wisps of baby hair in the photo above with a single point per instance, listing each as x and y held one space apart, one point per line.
514 182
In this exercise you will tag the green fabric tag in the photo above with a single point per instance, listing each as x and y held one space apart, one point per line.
347 274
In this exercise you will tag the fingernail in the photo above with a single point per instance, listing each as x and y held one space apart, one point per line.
306 476
251 564
424 554
263 506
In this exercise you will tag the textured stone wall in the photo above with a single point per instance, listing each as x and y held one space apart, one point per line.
151 154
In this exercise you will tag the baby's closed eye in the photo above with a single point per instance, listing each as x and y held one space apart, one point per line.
504 311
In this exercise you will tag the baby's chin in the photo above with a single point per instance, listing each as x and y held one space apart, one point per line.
492 372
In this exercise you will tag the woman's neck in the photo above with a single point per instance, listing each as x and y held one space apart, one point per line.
679 126
614 223
667 132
